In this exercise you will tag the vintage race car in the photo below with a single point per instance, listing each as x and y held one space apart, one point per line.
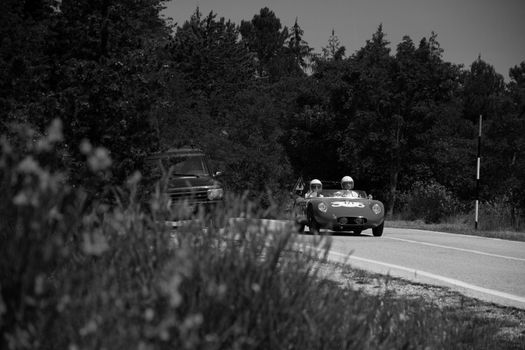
340 210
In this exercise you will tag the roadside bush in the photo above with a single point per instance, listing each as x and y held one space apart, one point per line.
499 214
431 202
82 275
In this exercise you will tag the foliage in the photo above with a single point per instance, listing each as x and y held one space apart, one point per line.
264 36
23 61
334 50
118 74
501 214
431 201
483 90
90 277
82 265
299 50
279 53
94 66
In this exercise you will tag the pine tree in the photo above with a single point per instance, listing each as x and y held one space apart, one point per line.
263 36
334 50
299 48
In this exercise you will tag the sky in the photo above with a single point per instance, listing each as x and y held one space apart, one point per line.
466 29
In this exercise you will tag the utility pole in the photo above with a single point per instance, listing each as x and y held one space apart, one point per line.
477 174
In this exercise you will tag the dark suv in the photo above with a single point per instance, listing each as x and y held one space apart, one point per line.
192 181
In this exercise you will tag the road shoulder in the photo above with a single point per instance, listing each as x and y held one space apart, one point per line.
511 320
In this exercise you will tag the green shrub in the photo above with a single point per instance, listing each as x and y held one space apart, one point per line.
499 214
431 202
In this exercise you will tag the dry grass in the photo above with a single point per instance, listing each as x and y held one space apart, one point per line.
458 226
508 322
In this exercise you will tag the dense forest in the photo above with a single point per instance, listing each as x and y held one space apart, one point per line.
260 101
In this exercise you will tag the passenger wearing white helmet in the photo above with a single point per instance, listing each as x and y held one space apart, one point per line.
316 186
347 185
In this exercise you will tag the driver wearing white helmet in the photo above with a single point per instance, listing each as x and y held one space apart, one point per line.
316 186
347 184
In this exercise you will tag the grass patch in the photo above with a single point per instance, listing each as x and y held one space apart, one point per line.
504 323
458 227
128 282
81 274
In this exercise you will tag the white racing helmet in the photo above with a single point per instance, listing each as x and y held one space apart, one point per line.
347 179
316 184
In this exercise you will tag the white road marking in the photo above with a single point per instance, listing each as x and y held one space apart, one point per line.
448 280
455 248
451 234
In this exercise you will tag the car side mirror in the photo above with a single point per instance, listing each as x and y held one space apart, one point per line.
370 196
218 174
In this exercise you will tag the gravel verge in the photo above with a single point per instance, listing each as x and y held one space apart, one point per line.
511 321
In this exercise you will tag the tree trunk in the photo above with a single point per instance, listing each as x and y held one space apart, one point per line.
394 166
394 173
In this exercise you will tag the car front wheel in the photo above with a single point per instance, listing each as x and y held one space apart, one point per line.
378 231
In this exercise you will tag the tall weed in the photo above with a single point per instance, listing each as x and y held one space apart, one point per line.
85 275
500 214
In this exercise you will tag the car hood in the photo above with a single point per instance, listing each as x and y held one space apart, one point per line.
193 181
342 206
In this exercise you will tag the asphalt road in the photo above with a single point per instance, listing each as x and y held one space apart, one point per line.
485 268
489 269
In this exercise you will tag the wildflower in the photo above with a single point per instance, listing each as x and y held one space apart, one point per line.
39 284
29 166
54 132
217 290
144 346
149 314
134 178
90 327
85 147
63 302
5 146
95 244
192 322
26 197
155 206
52 136
54 214
171 287
99 160
45 181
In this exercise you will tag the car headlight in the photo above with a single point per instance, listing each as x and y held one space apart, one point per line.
322 207
215 193
376 208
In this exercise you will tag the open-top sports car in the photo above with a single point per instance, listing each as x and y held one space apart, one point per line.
339 210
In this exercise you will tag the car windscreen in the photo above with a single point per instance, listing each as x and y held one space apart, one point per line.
194 165
336 193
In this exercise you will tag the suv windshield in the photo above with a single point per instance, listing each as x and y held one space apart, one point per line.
194 165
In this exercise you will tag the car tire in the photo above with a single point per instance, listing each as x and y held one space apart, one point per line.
357 232
300 228
312 224
378 231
